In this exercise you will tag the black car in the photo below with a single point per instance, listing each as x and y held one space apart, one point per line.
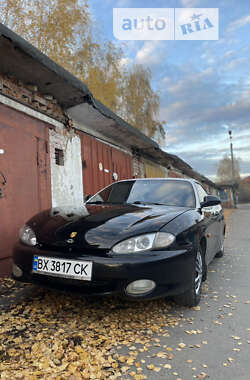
139 238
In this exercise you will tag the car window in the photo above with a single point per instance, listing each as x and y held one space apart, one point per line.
172 192
201 192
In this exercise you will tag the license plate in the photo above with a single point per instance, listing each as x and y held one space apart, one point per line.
80 270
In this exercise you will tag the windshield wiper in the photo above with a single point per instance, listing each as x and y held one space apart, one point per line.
147 203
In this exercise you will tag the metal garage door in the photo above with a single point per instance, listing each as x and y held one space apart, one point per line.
24 176
154 171
101 163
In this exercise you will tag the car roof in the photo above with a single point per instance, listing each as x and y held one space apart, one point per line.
191 180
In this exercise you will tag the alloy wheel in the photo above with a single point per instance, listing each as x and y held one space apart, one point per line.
198 272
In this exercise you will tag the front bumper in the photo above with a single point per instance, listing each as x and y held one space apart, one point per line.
170 270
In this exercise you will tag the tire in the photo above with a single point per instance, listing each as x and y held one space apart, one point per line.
193 295
203 252
221 252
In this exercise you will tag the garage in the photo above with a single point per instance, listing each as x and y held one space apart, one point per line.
102 164
24 175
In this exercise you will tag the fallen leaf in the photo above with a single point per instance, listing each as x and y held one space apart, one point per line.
168 366
157 369
182 345
196 308
150 366
161 354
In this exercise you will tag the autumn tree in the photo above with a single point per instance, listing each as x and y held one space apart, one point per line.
140 103
11 11
97 64
51 26
224 170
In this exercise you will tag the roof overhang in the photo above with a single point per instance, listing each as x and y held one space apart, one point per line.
103 121
26 63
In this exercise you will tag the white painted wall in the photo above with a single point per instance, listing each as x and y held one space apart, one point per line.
66 181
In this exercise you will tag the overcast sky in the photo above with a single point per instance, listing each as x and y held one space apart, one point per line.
204 85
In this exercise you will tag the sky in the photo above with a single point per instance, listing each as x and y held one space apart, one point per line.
204 85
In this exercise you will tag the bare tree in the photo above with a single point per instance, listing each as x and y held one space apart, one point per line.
224 170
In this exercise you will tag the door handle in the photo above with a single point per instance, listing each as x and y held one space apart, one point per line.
3 179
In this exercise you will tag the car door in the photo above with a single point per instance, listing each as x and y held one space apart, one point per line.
209 224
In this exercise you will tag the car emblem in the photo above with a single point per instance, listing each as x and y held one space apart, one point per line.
73 234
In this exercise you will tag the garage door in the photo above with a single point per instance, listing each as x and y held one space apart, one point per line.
24 176
154 171
102 164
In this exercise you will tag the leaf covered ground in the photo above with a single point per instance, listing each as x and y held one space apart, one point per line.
59 336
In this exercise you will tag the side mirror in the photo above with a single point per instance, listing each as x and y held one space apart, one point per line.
87 197
210 200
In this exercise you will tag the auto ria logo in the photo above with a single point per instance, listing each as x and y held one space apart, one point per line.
166 23
196 24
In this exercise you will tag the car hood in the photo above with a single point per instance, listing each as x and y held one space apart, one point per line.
100 226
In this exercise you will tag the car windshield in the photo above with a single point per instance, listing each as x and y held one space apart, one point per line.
166 192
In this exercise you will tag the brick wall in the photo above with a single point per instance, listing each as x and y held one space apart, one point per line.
29 95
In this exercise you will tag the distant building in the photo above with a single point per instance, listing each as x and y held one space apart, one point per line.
246 180
226 194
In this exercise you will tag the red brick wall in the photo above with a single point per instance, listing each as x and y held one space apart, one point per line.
30 96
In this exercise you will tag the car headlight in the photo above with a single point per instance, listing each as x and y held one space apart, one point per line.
144 243
27 236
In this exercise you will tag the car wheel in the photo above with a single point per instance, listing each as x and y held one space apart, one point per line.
192 296
221 251
204 264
